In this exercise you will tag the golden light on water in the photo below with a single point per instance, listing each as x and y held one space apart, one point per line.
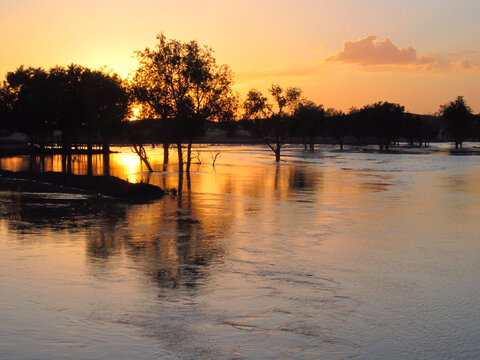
130 165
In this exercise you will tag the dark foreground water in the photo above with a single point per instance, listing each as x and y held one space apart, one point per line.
324 256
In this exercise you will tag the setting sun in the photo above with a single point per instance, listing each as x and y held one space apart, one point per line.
135 113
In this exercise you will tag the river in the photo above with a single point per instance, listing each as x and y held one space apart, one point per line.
326 255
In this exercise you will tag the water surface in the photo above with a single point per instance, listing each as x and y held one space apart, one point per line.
324 256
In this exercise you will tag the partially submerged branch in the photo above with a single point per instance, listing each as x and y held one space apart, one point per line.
214 158
142 154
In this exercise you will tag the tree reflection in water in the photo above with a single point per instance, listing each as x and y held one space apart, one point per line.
172 242
168 240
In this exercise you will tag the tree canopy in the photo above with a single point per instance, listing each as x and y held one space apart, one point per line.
73 99
459 118
181 82
272 122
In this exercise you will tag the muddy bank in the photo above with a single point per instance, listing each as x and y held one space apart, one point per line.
57 182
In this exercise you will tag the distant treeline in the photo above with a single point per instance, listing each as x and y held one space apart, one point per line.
179 90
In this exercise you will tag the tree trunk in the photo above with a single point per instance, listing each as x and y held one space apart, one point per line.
69 163
89 144
166 146
277 152
106 146
89 163
64 163
189 156
66 144
180 187
106 164
180 157
32 161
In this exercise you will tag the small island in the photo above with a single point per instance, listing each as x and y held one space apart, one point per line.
59 182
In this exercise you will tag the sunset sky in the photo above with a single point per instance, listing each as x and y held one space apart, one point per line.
342 53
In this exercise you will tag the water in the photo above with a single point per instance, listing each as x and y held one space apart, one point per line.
324 256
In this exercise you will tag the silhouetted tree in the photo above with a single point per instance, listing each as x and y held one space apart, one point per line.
74 99
338 125
273 126
107 103
256 105
309 122
30 101
384 122
182 82
5 107
420 129
71 111
476 126
358 124
229 107
459 118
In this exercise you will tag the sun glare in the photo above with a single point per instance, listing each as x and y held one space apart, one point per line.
135 113
130 164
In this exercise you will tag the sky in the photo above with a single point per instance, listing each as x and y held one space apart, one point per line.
342 53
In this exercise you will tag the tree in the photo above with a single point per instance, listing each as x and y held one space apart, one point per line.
420 129
30 102
384 121
107 103
182 83
308 122
73 99
70 109
5 106
273 126
256 105
459 118
338 125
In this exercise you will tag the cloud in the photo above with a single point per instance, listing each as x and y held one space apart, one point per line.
369 51
461 65
467 65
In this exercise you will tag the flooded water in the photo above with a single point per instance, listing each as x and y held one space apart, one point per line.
324 256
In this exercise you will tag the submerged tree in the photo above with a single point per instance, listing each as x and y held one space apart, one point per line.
338 125
384 122
272 125
181 83
419 130
459 119
308 123
107 103
66 84
81 103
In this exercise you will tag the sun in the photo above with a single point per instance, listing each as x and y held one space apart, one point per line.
135 113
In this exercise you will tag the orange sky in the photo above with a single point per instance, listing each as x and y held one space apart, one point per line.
341 54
